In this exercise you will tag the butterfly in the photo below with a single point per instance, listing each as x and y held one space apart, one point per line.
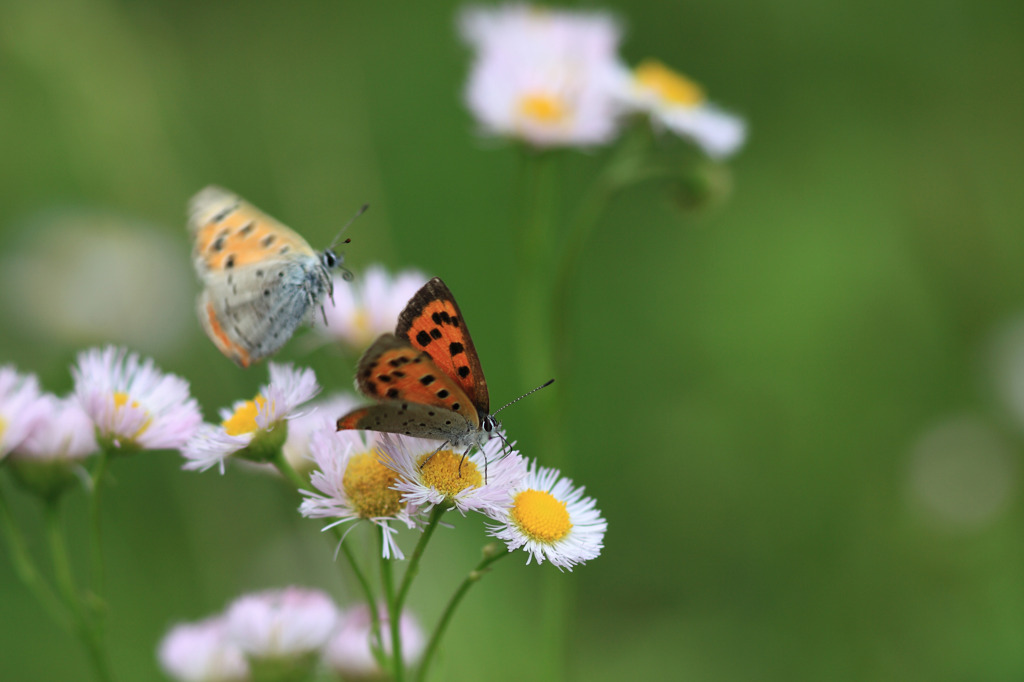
426 376
260 278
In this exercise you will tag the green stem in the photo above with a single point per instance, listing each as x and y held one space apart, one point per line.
579 233
280 463
26 569
371 601
414 563
388 585
85 627
98 571
491 554
537 358
534 245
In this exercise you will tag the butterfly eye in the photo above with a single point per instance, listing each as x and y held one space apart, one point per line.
329 259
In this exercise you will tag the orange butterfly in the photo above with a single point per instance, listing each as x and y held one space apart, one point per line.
261 279
426 376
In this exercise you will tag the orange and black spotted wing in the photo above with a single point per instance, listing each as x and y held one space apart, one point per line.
392 370
433 323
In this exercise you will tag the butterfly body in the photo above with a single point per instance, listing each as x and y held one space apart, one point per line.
426 376
261 279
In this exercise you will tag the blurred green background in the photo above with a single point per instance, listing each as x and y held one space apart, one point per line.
800 410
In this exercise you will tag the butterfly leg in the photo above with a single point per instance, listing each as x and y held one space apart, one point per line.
465 454
441 447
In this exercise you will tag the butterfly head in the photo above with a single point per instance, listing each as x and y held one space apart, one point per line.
331 260
489 426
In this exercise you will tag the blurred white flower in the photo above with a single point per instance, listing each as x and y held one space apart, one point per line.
355 486
349 654
675 102
962 473
132 403
541 75
481 481
248 422
21 407
279 624
64 432
368 307
46 462
202 652
551 520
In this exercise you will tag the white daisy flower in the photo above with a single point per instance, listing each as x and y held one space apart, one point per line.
21 408
281 624
480 481
46 461
254 429
355 486
368 307
541 75
202 652
348 653
675 102
132 403
551 520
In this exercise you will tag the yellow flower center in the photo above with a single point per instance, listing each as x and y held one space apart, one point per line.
672 87
368 483
244 418
449 473
3 427
541 516
120 400
542 108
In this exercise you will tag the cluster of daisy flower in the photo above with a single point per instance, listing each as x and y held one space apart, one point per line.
283 634
120 403
554 78
391 480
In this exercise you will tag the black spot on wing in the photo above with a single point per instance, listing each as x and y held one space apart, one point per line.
435 333
268 240
224 213
427 379
455 348
392 392
423 339
463 372
229 262
443 393
244 230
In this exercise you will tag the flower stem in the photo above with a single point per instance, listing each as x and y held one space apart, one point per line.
26 569
388 586
98 473
538 348
84 625
414 562
280 463
375 626
491 554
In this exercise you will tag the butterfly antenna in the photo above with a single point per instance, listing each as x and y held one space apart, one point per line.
337 239
544 385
